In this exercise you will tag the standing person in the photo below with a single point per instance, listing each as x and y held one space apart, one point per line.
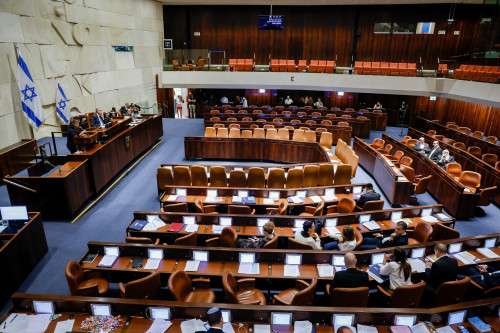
398 269
244 102
178 106
73 132
318 104
301 102
192 105
377 106
306 101
310 101
288 101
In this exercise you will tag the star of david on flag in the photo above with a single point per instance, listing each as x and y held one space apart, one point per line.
62 108
30 100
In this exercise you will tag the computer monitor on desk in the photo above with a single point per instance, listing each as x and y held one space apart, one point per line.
14 216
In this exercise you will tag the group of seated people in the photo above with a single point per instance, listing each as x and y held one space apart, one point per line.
436 154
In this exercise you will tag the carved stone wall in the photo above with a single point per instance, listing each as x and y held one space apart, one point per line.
71 42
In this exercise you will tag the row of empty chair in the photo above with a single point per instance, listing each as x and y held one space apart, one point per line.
280 120
240 65
475 134
480 73
284 112
315 66
385 68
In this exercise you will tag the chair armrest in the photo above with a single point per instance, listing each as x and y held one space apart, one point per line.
122 289
201 283
247 283
270 211
310 209
90 290
157 241
212 242
331 209
327 288
88 274
252 212
279 301
301 284
418 176
210 208
383 291
476 285
358 209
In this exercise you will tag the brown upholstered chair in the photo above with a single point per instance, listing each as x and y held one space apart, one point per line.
181 286
240 209
242 291
199 176
439 137
234 132
372 205
345 205
218 126
431 133
348 297
486 195
490 158
276 178
396 158
272 133
452 292
405 139
378 143
182 176
310 178
491 139
298 135
314 211
343 124
283 134
419 187
411 143
218 176
302 295
281 210
326 140
141 240
294 178
454 169
85 283
326 123
358 236
470 179
441 232
188 240
246 134
272 244
214 119
448 123
420 234
448 141
256 178
227 238
477 134
164 177
465 130
408 172
296 245
406 160
459 145
174 208
222 132
404 296
237 178
343 175
204 209
386 150
325 175
475 151
148 287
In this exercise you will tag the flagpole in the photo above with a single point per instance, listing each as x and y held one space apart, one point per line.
18 52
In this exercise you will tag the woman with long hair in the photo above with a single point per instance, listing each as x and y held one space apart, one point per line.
398 268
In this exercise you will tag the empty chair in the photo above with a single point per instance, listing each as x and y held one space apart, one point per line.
326 140
148 287
396 158
237 178
348 297
465 130
325 175
441 232
345 205
438 137
246 134
310 136
404 296
298 135
296 245
326 123
181 286
178 207
164 177
310 122
219 125
234 132
453 126
470 179
201 208
448 141
294 178
343 124
281 210
386 150
276 178
271 133
491 139
199 176
140 240
210 132
218 176
486 195
267 126
311 173
377 143
247 119
215 119
475 151
85 283
447 124
451 292
454 169
259 133
373 205
227 238
408 172
314 211
411 143
240 209
478 134
419 187
256 178
302 295
405 139
182 176
431 133
490 158
222 132
242 291
232 119
188 240
283 134
406 160
459 145
343 175
235 126
420 234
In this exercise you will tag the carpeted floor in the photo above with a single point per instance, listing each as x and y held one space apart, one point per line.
107 219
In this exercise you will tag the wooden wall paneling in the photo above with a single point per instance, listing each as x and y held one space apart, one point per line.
254 97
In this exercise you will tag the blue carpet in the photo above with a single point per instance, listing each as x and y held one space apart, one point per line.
108 218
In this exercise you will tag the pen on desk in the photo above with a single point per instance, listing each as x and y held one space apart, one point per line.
12 319
274 331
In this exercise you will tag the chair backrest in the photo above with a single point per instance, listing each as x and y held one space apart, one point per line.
346 205
294 178
259 133
256 178
465 130
459 145
230 287
431 132
373 205
180 285
234 132
296 245
487 195
475 151
239 209
448 141
228 237
343 175
441 232
283 134
349 297
219 125
326 140
199 206
74 276
222 132
305 296
189 240
276 178
406 160
470 178
246 134
451 292
478 134
214 119
272 133
237 178
182 176
405 139
454 169
218 176
199 176
492 293
387 149
422 232
326 123
173 208
164 177
319 208
148 287
378 143
490 158
138 240
408 172
491 139
311 173
325 175
422 184
398 155
407 296
358 236
272 244
298 135
411 143
310 136
343 124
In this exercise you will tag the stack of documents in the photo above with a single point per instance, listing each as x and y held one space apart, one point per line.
262 328
325 270
249 268
268 201
333 230
332 197
419 328
64 326
192 266
295 199
237 199
154 223
20 322
191 227
193 325
159 326
303 326
315 198
488 253
371 225
465 257
152 264
107 261
291 270
213 199
429 219
366 329
217 229
172 197
417 265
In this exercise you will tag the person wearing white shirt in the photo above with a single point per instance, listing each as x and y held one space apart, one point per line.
344 242
308 235
318 104
377 106
244 102
288 100
224 100
398 269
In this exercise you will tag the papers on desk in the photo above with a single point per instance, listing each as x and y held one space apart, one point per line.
302 326
329 197
152 264
191 227
193 325
291 270
488 253
237 199
262 328
432 257
268 201
107 261
417 265
217 229
249 268
466 190
154 222
149 227
419 328
192 266
64 326
315 198
20 322
213 199
228 328
465 257
325 270
333 230
430 219
295 199
445 329
159 326
366 329
371 225
172 197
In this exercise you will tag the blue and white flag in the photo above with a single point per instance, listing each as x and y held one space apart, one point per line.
32 105
62 105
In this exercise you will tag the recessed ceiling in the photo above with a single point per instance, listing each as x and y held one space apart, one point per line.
311 2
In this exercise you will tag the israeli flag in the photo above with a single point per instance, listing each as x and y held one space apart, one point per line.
62 105
32 105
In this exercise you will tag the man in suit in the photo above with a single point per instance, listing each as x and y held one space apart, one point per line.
486 276
97 119
444 269
445 159
435 151
370 195
214 319
351 277
125 108
398 238
421 146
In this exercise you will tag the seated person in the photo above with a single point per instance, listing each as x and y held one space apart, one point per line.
309 235
421 146
125 108
445 159
444 269
97 119
256 243
345 241
435 151
214 319
351 277
398 269
398 238
370 195
486 276
73 132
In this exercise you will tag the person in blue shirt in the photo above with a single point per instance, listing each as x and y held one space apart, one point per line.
224 100
73 132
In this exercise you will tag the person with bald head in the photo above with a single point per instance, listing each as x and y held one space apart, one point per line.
421 146
351 277
444 269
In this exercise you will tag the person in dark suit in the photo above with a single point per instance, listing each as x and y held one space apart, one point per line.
421 146
445 159
351 277
486 276
214 319
435 151
73 132
370 195
444 269
97 119
398 238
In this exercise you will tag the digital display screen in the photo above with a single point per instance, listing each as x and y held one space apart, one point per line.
275 195
189 220
364 218
247 258
111 251
455 248
338 261
456 317
211 193
396 216
377 258
101 309
302 194
14 213
418 253
293 259
270 22
43 307
298 223
155 253
181 191
160 313
331 222
261 221
242 193
281 318
343 319
357 189
490 242
405 320
226 316
225 221
426 212
200 255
